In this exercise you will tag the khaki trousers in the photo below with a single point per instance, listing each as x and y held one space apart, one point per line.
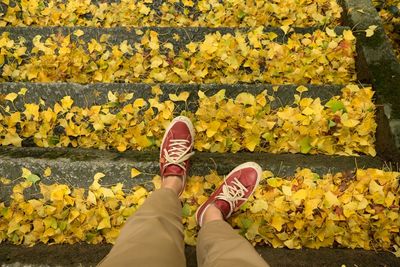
153 236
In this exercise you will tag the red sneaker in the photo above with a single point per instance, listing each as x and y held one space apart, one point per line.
176 149
238 186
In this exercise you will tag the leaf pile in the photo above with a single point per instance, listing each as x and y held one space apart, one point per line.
389 11
204 13
359 210
345 125
254 56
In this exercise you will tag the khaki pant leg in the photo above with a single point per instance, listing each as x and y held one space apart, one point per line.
153 236
219 245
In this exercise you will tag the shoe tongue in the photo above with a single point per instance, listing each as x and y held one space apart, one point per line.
223 206
173 170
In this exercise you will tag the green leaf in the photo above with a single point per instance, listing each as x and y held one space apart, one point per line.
331 124
316 176
54 140
152 140
4 211
33 178
305 146
245 206
62 225
90 236
186 211
335 105
268 136
241 14
246 223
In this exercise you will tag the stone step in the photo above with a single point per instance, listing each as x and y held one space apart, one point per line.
89 255
377 63
154 54
96 94
165 34
77 167
57 131
106 13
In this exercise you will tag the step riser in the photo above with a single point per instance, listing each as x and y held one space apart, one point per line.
77 167
165 34
165 13
234 59
95 94
87 255
377 63
306 127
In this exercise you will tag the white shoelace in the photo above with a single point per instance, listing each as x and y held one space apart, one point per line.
177 153
233 193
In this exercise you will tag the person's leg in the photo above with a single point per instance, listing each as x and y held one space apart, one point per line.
153 236
217 243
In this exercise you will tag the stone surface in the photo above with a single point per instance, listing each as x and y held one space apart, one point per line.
376 61
385 142
89 255
76 167
165 34
94 94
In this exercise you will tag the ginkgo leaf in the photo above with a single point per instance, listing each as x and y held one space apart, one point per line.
138 103
335 105
47 172
348 35
274 182
91 198
11 97
213 128
259 205
25 172
285 28
78 33
245 99
32 178
305 145
370 31
277 222
59 192
331 200
331 123
66 102
104 223
135 172
107 192
183 96
98 176
23 91
287 191
301 89
299 196
5 181
112 97
396 251
12 139
330 32
251 142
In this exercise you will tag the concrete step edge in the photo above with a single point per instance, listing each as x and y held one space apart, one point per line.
85 95
90 255
165 34
76 167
